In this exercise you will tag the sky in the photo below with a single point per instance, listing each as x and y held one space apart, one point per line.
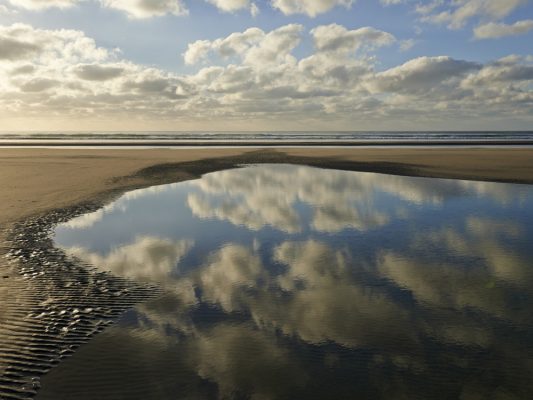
266 65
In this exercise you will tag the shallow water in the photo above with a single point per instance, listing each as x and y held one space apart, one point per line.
294 282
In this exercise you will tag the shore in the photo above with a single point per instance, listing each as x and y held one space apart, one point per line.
36 180
37 183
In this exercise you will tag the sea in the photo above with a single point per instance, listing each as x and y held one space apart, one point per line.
272 138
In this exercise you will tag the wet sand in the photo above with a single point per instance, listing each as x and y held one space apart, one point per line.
50 305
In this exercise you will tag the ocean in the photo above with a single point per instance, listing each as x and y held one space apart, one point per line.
278 138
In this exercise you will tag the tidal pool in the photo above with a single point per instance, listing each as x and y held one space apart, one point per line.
291 282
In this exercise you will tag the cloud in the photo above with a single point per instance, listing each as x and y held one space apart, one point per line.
421 74
265 370
266 197
504 72
309 7
12 49
488 284
456 13
44 4
94 72
275 47
140 9
336 38
392 2
235 44
230 5
254 10
228 272
6 11
494 30
148 259
39 85
255 75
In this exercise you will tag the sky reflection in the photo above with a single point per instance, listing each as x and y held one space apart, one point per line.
293 282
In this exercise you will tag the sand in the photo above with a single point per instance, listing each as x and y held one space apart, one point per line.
37 181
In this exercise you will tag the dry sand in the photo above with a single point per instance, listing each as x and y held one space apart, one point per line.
37 181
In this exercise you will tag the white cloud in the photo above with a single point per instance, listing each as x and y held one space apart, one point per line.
392 2
408 44
230 5
6 11
456 13
336 37
137 9
140 9
197 51
95 72
254 10
275 47
309 7
13 49
494 30
44 4
499 75
421 75
255 75
237 43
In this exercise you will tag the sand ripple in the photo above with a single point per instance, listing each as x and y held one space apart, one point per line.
51 304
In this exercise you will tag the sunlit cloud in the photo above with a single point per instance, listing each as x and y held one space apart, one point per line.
253 75
141 9
309 7
494 30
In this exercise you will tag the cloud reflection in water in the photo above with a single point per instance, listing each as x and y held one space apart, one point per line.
294 282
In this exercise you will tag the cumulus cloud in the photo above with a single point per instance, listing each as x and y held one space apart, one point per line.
146 8
392 2
78 75
254 75
231 6
137 9
38 85
504 73
96 72
422 74
5 11
309 7
457 13
235 44
494 30
12 49
335 37
44 4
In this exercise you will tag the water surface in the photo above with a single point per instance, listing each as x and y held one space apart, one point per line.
291 282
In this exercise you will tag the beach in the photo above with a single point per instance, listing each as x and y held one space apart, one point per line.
37 182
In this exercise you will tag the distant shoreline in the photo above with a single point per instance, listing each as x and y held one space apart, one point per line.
259 143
